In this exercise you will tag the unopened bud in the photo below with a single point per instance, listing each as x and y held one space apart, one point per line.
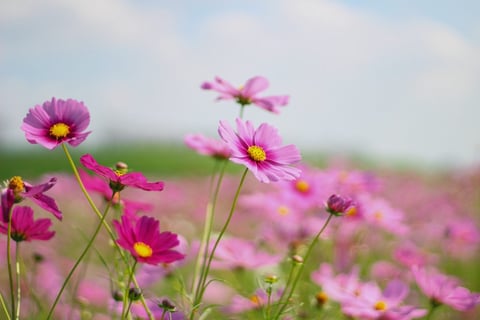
134 294
297 259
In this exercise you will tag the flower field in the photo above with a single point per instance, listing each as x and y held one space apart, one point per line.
238 226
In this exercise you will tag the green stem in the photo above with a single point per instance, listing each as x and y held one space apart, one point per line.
4 307
203 250
242 107
433 307
282 302
19 287
126 298
9 263
105 224
82 255
219 237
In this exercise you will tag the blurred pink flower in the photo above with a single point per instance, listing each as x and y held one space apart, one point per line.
443 289
145 242
260 150
372 303
257 300
208 146
247 94
234 253
120 178
24 228
17 190
56 122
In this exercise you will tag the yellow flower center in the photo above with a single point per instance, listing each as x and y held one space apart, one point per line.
59 130
257 301
16 184
142 249
380 305
302 186
351 212
257 153
378 215
283 210
321 297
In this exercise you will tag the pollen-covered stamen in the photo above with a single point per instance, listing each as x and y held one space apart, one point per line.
380 305
142 249
59 130
16 184
302 186
257 153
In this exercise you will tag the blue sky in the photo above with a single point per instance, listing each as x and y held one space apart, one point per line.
390 79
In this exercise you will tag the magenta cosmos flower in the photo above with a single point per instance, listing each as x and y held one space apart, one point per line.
442 289
247 94
24 228
261 151
56 122
17 190
208 146
145 241
120 177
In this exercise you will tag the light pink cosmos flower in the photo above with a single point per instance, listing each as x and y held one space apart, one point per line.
24 228
443 289
208 146
56 122
234 253
372 303
145 241
261 151
120 178
257 300
247 94
18 190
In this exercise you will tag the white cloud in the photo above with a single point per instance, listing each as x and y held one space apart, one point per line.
357 79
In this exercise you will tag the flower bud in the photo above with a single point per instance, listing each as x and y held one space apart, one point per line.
338 205
134 294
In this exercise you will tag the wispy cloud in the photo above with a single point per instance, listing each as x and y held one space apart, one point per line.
359 80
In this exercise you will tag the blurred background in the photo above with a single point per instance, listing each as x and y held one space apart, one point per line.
391 81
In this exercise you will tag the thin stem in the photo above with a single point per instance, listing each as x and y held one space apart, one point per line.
9 263
126 297
433 307
105 224
82 255
19 287
242 107
210 214
219 237
299 272
4 307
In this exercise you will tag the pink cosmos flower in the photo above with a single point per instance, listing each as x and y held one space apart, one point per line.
260 150
443 289
120 178
18 190
372 303
234 253
257 300
145 241
247 94
56 122
24 228
207 146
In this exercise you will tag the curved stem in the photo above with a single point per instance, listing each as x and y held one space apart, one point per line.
19 287
4 307
105 224
82 255
207 231
126 297
9 263
299 272
219 237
